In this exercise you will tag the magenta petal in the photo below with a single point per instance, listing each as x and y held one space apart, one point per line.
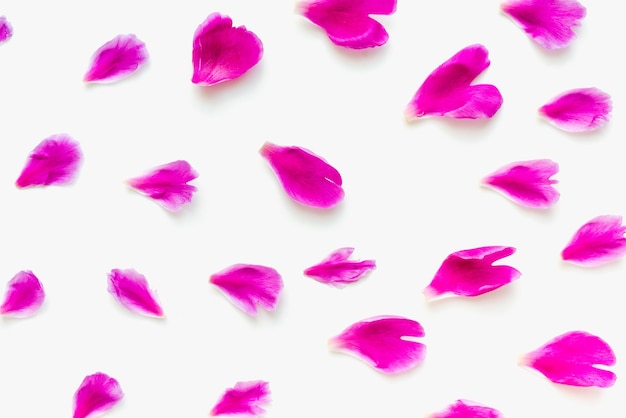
6 30
24 295
246 399
447 90
569 359
599 241
222 52
131 290
471 273
385 342
54 161
337 270
527 183
97 394
578 110
467 409
117 59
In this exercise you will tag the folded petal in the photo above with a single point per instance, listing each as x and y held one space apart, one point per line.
599 241
337 270
54 161
24 295
116 59
222 52
249 286
467 409
131 290
570 358
471 273
527 183
447 90
246 399
96 394
385 342
306 178
578 110
6 30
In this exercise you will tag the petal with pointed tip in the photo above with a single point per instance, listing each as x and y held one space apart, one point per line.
246 399
131 290
54 161
337 270
97 393
599 241
116 59
578 110
6 30
24 295
467 409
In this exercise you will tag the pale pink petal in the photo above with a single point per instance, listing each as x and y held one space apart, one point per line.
24 295
306 178
599 241
249 286
167 184
116 59
246 399
347 22
96 394
578 110
527 183
337 270
570 358
447 91
387 343
547 22
131 290
6 30
471 273
54 161
467 409
222 52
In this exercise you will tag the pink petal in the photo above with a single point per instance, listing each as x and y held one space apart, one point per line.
97 394
131 290
385 342
578 110
447 90
306 178
248 286
569 359
347 22
547 22
471 273
467 409
24 295
117 59
527 183
167 184
246 399
222 52
6 30
337 270
599 241
54 161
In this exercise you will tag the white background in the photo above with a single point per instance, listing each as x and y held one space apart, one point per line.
412 197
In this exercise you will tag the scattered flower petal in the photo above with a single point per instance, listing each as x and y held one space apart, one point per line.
336 270
6 30
222 52
131 290
578 110
347 22
599 241
471 273
569 359
167 184
467 409
547 22
24 295
97 394
527 183
54 161
447 90
246 399
249 286
116 59
385 342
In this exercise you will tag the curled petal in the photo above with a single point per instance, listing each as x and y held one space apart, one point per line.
471 273
131 290
599 241
467 409
24 295
447 91
6 30
385 342
306 178
246 399
527 183
578 110
116 59
54 161
570 358
96 394
337 270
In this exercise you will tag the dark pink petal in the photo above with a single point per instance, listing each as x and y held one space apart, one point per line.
306 178
222 52
578 110
337 270
447 90
599 241
471 273
246 399
6 30
547 22
385 342
167 184
569 359
54 161
116 59
467 409
24 295
96 394
527 183
347 22
131 290
249 285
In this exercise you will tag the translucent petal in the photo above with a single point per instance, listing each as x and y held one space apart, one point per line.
578 110
116 59
246 399
337 270
96 394
599 241
131 290
6 30
467 409
54 161
24 295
